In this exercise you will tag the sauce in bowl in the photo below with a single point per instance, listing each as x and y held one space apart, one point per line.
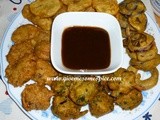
85 47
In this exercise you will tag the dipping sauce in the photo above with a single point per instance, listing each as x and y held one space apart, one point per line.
85 48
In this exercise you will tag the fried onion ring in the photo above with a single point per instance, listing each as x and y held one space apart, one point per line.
150 82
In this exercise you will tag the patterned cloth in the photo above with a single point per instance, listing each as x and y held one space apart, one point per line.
8 109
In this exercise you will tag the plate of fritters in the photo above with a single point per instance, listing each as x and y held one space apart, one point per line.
43 93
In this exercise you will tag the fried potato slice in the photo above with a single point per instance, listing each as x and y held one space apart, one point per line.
107 6
67 2
45 8
79 5
36 97
24 32
22 71
44 23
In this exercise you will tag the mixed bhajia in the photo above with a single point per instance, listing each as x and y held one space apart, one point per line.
29 59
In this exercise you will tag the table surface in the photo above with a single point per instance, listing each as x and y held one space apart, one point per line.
8 109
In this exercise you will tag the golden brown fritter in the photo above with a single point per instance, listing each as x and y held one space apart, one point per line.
44 23
22 71
125 84
130 101
17 51
61 87
42 50
81 92
65 109
24 33
101 104
106 6
36 97
45 8
44 72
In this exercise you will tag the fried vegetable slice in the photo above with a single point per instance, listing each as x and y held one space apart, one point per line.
45 8
65 109
147 65
22 71
107 6
36 97
138 21
101 104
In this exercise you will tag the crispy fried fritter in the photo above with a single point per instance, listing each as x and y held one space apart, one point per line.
107 6
130 100
42 50
44 72
22 71
43 36
17 51
45 8
101 104
44 23
65 109
61 87
124 85
36 97
81 92
24 33
79 5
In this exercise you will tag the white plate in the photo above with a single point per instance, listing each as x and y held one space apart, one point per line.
149 96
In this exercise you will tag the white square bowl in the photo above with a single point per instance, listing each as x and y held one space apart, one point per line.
87 19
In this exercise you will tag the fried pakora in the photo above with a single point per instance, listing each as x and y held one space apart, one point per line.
22 71
65 109
42 50
81 92
60 87
44 72
44 23
24 32
101 104
124 85
17 51
36 97
129 101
